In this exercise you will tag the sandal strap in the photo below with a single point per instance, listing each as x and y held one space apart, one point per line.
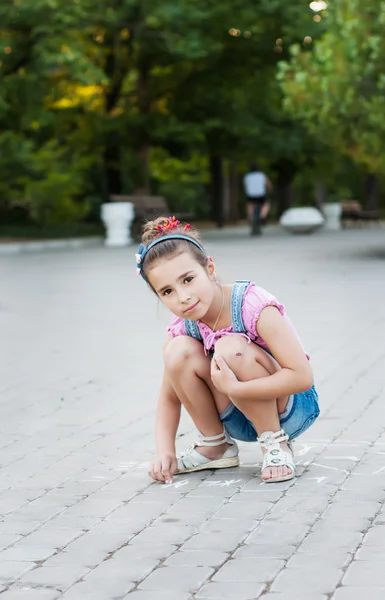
214 440
270 438
278 458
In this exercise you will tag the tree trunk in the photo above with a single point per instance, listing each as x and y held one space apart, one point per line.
216 176
144 109
111 154
226 193
285 197
234 191
112 168
371 195
285 171
319 194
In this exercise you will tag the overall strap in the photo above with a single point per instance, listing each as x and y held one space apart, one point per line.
237 293
192 329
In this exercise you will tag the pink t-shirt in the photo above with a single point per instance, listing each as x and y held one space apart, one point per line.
254 301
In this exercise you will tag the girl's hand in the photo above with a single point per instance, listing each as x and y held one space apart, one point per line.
163 467
222 376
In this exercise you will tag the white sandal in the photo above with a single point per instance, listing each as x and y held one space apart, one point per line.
275 456
190 460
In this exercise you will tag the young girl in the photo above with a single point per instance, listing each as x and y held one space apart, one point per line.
231 357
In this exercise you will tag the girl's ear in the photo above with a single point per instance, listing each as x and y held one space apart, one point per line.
211 268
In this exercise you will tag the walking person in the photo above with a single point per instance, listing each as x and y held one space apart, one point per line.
257 186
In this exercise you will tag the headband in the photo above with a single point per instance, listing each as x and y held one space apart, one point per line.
143 250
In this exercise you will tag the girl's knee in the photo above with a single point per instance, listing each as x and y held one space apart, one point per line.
244 357
233 348
180 351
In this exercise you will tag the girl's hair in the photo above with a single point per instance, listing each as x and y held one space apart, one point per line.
154 229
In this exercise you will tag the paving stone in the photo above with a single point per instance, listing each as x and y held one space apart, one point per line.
295 596
249 569
11 570
247 509
326 540
60 578
31 594
320 560
98 590
120 570
8 539
88 550
165 533
375 536
371 553
158 595
197 558
185 579
264 551
300 581
242 590
51 538
241 525
349 592
224 540
26 553
20 527
365 574
280 533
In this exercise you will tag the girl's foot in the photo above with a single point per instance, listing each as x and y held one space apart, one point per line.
210 452
278 463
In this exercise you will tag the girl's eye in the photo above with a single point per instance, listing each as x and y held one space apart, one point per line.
166 293
188 279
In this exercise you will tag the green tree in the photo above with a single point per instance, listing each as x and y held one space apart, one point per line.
337 90
110 80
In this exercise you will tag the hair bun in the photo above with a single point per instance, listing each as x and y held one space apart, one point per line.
163 226
150 230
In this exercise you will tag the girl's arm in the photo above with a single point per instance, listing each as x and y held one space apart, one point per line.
295 375
167 413
167 418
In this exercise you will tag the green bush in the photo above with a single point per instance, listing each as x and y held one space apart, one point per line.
54 191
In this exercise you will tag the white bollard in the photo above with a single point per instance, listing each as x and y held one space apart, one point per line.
332 212
117 218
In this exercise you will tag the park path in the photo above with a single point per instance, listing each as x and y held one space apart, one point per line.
80 367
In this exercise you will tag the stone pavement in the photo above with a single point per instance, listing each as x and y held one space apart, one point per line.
79 373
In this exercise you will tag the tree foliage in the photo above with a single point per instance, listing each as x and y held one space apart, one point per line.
337 90
93 92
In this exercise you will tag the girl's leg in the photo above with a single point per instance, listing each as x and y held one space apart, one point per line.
249 361
188 370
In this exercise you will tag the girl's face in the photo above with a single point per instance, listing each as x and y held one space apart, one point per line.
183 285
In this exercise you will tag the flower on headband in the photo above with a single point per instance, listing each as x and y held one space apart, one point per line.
168 225
138 261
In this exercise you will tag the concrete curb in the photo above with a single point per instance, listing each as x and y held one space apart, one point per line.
39 245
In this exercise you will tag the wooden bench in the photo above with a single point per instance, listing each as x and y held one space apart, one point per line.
353 213
148 208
